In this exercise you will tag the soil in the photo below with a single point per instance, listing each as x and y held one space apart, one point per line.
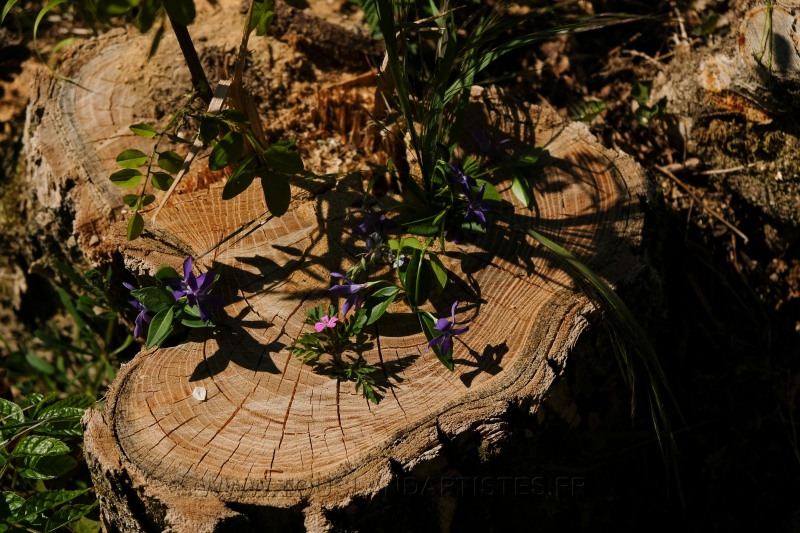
723 315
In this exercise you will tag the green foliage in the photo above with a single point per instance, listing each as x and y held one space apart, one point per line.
644 113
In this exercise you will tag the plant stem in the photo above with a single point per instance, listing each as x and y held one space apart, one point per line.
199 80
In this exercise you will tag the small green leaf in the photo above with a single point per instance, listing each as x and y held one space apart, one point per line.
160 327
520 187
10 504
148 199
439 273
114 8
85 525
46 467
6 9
161 181
209 129
127 178
131 200
72 406
178 140
262 17
277 193
227 151
142 129
283 160
240 179
378 302
155 299
37 445
166 272
39 364
418 279
234 116
68 513
10 413
411 242
170 161
180 11
42 501
135 226
131 158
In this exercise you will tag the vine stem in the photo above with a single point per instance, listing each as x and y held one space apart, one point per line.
199 79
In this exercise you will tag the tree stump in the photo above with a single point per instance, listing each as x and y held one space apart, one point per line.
274 442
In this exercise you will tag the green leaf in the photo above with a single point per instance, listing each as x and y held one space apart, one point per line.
178 140
127 178
490 194
131 200
180 11
131 158
427 322
147 17
641 92
234 116
277 193
73 406
114 8
46 467
418 279
209 129
42 501
142 129
155 299
262 17
68 513
439 273
135 226
283 160
240 179
10 413
170 161
161 180
166 272
520 187
39 364
37 445
148 199
227 151
378 302
6 9
160 327
411 242
10 504
85 525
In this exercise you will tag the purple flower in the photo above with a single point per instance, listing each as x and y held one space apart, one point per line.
375 223
485 145
326 322
195 289
373 243
448 329
143 318
398 260
477 208
350 290
460 177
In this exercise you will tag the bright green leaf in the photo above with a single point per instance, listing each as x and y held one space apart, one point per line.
520 187
155 299
131 200
160 327
37 445
418 279
46 467
439 273
68 514
166 272
135 226
161 180
43 501
378 302
144 130
10 504
127 178
131 158
10 413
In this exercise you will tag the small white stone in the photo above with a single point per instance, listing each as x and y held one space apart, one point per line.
94 240
199 393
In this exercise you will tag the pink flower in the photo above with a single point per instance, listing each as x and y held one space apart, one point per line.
326 323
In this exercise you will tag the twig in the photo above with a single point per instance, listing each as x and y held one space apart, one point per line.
727 170
699 201
637 53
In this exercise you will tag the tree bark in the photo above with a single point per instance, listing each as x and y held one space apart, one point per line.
274 442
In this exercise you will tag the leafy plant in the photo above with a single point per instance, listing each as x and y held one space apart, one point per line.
644 113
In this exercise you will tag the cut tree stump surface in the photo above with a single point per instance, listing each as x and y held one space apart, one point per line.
273 433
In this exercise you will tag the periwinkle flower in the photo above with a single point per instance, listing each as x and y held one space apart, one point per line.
476 207
458 176
373 243
143 318
448 329
195 289
349 289
485 145
375 223
326 322
398 260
